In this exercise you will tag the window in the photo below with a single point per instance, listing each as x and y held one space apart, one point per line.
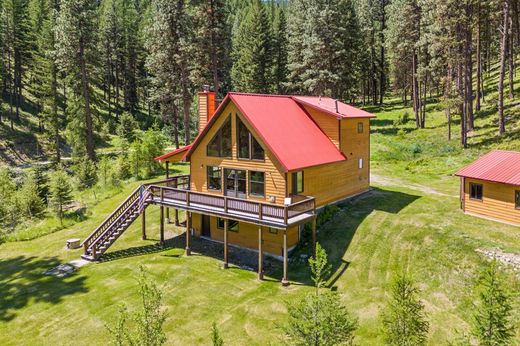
297 182
257 184
273 230
475 191
359 127
235 182
248 146
360 164
517 199
220 144
214 178
232 224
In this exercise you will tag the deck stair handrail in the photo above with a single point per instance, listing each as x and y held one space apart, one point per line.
123 216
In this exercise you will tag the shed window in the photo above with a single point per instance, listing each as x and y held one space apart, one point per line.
248 146
257 183
475 191
517 199
232 224
360 163
297 182
214 178
220 144
359 127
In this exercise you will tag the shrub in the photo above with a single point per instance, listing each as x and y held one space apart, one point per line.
86 173
60 191
127 127
30 202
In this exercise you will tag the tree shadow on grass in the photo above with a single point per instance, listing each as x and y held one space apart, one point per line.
337 234
22 282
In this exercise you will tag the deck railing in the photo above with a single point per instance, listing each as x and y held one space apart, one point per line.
162 193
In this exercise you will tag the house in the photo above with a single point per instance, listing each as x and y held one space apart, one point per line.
490 187
259 168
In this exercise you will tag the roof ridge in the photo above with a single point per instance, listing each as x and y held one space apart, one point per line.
257 94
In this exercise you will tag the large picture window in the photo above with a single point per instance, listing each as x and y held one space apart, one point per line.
220 144
248 146
257 184
297 182
232 224
475 191
214 178
517 199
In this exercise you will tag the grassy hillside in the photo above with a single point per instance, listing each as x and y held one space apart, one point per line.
410 221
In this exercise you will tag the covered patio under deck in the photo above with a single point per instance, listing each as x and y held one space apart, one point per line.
174 193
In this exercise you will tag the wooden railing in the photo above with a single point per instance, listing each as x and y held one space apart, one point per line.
231 205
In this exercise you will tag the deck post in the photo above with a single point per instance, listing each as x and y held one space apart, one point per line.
188 233
226 243
143 224
167 170
162 224
314 237
176 217
167 215
260 254
285 280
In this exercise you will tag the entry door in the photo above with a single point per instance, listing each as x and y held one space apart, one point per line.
235 183
206 232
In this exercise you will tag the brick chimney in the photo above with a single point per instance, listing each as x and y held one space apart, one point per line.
207 106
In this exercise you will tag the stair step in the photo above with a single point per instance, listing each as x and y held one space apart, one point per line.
88 257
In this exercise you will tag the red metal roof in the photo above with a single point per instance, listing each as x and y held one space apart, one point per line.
285 127
328 105
174 152
498 166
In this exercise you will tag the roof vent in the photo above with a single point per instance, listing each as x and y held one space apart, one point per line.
337 109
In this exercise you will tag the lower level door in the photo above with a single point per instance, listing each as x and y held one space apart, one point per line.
206 231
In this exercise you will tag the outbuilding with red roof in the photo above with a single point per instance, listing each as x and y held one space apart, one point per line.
490 186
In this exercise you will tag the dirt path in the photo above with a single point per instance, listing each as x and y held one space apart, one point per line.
392 181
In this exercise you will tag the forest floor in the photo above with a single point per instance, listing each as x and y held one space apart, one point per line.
410 221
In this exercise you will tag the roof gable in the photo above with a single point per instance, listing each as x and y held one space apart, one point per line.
499 166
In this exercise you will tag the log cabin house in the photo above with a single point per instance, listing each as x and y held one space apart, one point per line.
490 187
259 168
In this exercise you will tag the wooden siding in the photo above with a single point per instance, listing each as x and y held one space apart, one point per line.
498 201
274 176
176 158
328 124
247 235
332 182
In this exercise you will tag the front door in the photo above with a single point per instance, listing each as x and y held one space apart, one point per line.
235 183
206 232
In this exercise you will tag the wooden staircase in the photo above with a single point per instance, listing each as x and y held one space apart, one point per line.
115 224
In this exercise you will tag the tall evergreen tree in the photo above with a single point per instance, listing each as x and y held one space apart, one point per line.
75 47
252 59
279 32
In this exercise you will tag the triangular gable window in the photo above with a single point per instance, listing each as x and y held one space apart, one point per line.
248 146
220 144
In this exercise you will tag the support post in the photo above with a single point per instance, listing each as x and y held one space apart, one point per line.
167 170
285 280
143 224
314 237
167 215
226 243
176 217
162 224
188 233
260 254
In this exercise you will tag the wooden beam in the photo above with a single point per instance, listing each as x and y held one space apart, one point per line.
143 224
162 224
285 279
188 233
314 237
226 243
260 254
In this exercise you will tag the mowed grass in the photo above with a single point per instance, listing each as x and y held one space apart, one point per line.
410 221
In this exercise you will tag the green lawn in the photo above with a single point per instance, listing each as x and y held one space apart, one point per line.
410 221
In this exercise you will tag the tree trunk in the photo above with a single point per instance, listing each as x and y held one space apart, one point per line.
511 58
382 62
415 91
479 60
85 89
503 53
54 110
468 80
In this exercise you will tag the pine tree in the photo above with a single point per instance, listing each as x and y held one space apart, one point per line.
279 33
492 324
320 318
28 196
75 48
60 190
251 52
404 321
